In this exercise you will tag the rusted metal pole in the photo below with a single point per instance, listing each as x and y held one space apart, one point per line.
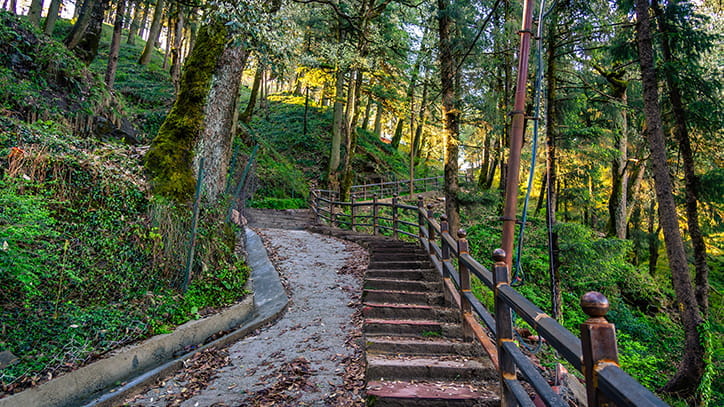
504 327
516 134
598 343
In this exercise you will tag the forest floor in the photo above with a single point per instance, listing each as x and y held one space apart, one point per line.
311 356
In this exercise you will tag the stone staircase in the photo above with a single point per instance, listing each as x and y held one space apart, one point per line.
415 351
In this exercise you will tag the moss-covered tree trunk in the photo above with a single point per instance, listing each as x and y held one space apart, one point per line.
214 145
169 160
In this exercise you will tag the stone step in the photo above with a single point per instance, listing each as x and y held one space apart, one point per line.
397 393
420 346
396 265
402 297
402 285
391 250
398 256
403 274
412 327
409 311
429 368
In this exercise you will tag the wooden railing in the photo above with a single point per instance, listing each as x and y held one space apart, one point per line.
595 354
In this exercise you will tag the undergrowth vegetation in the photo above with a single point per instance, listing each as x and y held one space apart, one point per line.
290 159
89 261
643 306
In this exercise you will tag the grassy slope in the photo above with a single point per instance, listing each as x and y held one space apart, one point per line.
289 160
84 263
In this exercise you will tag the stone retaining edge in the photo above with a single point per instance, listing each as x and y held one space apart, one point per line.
148 360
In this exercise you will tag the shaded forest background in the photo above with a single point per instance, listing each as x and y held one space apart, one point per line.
108 115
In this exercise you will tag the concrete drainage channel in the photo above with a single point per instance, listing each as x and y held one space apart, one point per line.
141 364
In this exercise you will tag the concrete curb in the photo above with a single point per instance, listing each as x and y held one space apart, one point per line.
143 363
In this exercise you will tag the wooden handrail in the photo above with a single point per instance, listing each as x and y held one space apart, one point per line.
595 354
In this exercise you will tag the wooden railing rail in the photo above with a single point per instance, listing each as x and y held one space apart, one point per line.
595 354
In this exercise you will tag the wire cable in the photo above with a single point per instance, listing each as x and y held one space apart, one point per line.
518 277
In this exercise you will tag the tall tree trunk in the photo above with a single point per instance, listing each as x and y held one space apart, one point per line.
169 159
368 110
691 368
143 24
153 34
255 89
338 128
397 135
13 6
653 238
115 44
170 23
617 202
417 141
135 21
450 113
81 23
176 54
35 11
379 112
87 47
76 8
214 145
52 17
351 145
691 181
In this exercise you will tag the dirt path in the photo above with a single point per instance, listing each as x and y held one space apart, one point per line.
309 357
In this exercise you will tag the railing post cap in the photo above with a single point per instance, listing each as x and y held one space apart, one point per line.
429 206
443 217
594 304
462 234
499 255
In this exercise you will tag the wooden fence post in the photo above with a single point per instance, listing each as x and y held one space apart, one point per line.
394 216
420 215
332 215
317 212
465 306
375 225
598 343
504 327
352 211
444 229
430 229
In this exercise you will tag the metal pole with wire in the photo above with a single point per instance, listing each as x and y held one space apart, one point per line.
516 135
